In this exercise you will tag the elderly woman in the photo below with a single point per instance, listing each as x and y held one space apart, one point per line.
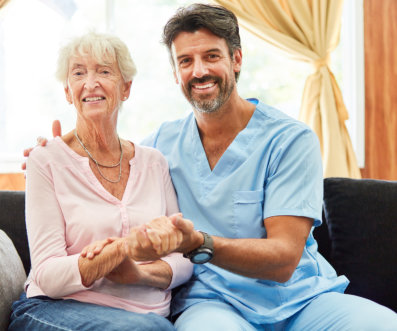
89 185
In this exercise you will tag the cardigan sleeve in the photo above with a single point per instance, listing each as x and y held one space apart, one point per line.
54 271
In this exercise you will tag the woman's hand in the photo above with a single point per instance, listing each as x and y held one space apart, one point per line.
163 235
138 245
151 241
95 248
111 257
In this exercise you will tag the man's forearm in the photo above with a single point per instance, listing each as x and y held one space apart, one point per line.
274 258
255 258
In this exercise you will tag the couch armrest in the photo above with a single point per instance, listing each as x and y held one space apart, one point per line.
12 277
362 222
12 222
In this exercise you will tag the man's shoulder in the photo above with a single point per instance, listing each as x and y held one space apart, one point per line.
278 126
168 131
277 116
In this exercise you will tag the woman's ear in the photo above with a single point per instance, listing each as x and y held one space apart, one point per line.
127 90
176 77
68 95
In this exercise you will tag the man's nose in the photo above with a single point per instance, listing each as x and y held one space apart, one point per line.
199 69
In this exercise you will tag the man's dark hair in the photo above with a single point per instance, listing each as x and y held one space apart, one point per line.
219 20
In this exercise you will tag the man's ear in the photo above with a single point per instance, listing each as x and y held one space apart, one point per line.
68 95
237 60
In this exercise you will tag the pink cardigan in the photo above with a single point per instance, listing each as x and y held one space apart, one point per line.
67 208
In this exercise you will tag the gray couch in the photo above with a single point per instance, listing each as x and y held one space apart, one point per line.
358 237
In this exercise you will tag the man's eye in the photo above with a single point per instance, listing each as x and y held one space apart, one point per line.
77 73
184 61
213 56
105 72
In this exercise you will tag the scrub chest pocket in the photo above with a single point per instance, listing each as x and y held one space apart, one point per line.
248 214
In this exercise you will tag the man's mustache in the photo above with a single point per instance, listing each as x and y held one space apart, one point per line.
204 79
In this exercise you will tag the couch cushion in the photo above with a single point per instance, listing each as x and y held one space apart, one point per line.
361 215
12 277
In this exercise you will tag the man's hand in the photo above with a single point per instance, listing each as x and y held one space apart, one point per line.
191 239
171 234
56 129
164 236
156 239
139 246
41 141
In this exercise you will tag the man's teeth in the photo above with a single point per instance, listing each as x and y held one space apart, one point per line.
93 98
204 86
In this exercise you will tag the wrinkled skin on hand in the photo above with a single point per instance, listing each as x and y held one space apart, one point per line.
149 242
96 247
111 257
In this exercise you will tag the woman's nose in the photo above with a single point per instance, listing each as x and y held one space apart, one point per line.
91 81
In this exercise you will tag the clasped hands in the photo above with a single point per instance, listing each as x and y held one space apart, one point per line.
156 239
115 258
151 241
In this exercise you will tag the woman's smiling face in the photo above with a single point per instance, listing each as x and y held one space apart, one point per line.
96 88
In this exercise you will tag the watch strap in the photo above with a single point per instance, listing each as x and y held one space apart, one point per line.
207 245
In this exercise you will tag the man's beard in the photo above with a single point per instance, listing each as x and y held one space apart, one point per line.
209 106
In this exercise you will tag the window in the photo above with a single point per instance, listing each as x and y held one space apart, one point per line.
31 32
348 63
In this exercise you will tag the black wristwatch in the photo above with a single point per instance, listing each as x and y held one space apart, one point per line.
203 253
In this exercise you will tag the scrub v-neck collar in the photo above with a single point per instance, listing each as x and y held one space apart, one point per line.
235 154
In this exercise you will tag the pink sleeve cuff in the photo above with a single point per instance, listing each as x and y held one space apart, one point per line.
182 269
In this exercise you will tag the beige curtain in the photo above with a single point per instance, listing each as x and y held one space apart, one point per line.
3 3
308 30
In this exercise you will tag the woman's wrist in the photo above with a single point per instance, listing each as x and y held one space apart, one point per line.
102 264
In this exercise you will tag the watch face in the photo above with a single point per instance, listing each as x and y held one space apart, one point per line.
201 257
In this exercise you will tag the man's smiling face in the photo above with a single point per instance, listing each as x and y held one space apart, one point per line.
203 67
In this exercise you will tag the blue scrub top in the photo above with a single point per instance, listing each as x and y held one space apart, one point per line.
273 167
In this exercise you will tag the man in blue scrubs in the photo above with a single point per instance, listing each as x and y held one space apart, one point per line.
250 179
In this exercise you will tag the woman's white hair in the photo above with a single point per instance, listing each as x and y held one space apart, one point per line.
102 47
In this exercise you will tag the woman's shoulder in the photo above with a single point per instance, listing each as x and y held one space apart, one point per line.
150 155
54 151
51 147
